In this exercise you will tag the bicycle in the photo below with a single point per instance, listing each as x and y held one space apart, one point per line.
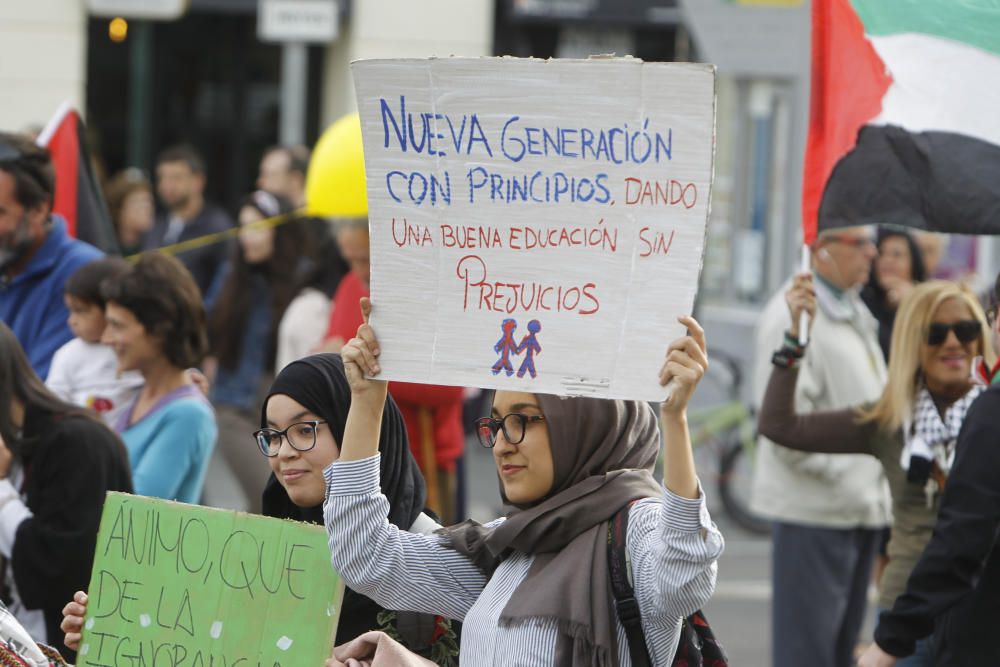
729 428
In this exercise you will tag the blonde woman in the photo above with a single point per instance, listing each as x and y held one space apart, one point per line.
940 330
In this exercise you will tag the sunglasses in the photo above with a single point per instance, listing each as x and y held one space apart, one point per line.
966 331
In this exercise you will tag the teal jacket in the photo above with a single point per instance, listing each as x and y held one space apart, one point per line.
170 446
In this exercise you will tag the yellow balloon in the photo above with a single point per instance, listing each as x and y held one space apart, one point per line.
335 180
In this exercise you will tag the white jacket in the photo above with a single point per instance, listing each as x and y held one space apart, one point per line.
843 367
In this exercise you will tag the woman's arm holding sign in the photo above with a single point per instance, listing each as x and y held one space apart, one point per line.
364 419
397 569
685 365
673 543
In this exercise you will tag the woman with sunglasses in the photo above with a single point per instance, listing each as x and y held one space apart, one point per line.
532 588
940 330
302 423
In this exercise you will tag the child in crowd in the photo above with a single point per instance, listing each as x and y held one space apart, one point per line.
84 371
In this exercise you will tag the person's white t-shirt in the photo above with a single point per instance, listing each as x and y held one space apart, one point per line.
87 374
302 327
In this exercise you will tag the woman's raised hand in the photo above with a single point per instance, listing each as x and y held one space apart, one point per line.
685 365
801 298
360 355
72 623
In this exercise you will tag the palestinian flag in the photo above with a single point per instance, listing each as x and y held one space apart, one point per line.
904 123
78 197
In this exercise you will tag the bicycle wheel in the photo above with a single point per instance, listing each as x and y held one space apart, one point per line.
735 478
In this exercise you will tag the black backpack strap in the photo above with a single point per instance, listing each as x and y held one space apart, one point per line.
697 646
625 602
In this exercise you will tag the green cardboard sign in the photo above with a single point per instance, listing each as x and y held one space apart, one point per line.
178 585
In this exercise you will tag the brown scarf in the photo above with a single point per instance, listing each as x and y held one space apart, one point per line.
603 452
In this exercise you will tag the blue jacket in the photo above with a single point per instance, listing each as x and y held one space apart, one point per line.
32 303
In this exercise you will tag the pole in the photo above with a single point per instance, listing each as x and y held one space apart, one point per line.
804 316
141 92
294 75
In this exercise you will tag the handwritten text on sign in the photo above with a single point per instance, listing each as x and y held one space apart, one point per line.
536 225
181 585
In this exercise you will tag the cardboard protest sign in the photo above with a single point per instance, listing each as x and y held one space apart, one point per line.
189 586
535 225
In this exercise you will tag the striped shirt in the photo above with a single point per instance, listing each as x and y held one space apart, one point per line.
672 544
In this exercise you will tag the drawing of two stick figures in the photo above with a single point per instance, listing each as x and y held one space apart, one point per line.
507 347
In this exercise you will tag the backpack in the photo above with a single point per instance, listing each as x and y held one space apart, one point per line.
698 646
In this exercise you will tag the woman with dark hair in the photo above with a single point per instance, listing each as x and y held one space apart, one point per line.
246 305
302 422
304 322
898 267
57 461
156 325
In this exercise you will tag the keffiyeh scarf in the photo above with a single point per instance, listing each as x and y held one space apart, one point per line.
929 440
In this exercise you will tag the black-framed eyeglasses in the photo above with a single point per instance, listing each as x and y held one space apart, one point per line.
300 435
966 331
513 425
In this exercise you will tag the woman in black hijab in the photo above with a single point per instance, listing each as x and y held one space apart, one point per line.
308 402
315 388
302 424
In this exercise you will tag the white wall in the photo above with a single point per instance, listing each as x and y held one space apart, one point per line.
402 29
43 47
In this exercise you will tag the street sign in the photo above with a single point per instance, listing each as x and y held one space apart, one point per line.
161 10
297 20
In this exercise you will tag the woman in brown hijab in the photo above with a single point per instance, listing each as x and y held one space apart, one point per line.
533 587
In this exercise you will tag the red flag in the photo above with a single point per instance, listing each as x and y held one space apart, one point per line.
78 197
903 128
848 83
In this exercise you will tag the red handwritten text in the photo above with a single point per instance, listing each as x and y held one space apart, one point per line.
467 236
530 238
655 243
481 293
655 193
405 234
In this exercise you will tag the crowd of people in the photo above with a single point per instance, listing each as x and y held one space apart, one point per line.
861 430
243 349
